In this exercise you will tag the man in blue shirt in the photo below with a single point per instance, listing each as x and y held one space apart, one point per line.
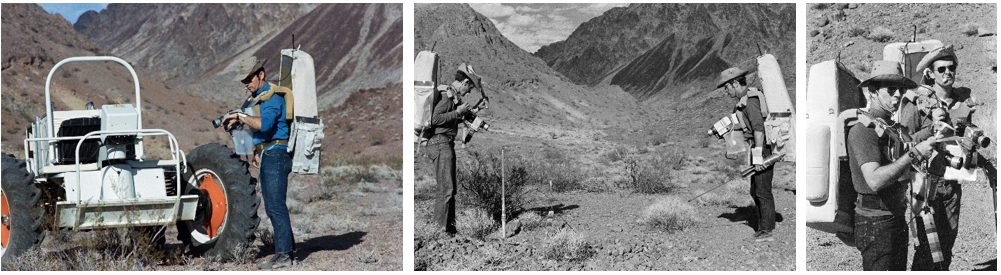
270 153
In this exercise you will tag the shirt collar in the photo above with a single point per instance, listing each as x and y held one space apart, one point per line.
265 87
879 113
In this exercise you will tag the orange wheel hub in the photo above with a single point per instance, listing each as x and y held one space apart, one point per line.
5 229
218 200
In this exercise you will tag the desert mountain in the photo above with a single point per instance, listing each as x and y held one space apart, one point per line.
648 49
181 40
161 39
34 41
521 88
193 50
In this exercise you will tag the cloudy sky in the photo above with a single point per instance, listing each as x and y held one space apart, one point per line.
531 26
72 11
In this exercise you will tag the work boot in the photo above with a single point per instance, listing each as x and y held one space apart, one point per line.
764 236
277 261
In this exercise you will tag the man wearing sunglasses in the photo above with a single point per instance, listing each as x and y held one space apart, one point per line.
877 159
270 153
734 81
948 106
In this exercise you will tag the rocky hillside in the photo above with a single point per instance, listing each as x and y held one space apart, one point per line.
34 41
651 48
187 54
520 86
181 40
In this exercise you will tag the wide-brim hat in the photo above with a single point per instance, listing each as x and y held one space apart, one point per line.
471 74
729 74
936 54
885 71
249 66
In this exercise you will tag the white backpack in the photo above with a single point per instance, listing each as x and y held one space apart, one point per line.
306 130
425 81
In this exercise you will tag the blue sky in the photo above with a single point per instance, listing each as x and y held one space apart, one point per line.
72 11
531 26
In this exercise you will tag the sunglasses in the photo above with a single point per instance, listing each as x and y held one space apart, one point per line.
247 80
941 70
890 89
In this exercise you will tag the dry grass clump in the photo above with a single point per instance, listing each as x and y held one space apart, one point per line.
531 220
970 28
567 245
475 223
881 34
670 214
616 154
104 250
425 230
857 31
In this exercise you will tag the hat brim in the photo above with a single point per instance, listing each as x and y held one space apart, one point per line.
475 79
897 79
936 55
723 82
257 66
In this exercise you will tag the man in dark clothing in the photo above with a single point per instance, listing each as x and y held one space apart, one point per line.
878 160
948 105
445 118
750 104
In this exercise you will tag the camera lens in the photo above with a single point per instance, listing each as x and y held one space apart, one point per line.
217 122
954 162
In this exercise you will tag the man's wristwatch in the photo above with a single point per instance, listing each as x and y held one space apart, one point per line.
915 155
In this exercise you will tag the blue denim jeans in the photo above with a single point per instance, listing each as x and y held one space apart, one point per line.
276 164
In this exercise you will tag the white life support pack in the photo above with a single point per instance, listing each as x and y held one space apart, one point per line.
780 123
830 195
306 129
425 81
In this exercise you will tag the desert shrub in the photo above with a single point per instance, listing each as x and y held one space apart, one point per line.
480 183
734 193
111 250
881 34
970 28
475 223
652 174
658 140
669 214
426 231
531 220
567 245
819 6
857 31
554 165
616 154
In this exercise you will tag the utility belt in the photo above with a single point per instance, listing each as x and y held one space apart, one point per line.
264 145
440 139
872 201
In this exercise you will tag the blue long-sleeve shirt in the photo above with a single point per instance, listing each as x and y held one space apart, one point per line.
273 125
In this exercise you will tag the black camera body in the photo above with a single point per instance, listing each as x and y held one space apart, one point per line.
218 122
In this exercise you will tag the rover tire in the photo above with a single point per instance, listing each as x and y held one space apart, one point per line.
23 216
230 211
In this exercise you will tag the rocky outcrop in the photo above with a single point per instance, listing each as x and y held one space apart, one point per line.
645 48
181 40
31 36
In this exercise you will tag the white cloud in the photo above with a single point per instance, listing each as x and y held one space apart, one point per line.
531 26
493 10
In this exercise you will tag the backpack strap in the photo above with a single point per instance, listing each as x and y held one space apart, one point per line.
286 94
